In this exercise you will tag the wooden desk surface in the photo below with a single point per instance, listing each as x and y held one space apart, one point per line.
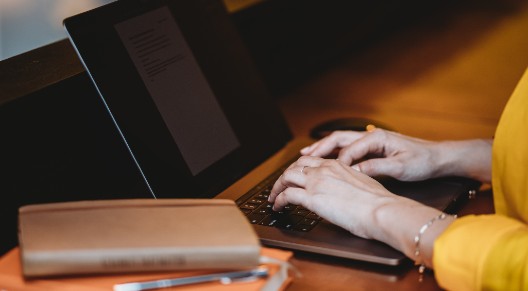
447 79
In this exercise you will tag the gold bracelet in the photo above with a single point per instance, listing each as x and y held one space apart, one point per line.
418 237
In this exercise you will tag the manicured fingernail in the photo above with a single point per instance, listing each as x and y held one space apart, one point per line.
370 128
356 167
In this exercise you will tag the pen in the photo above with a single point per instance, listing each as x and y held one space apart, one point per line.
224 278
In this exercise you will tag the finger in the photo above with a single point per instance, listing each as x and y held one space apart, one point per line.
370 143
281 183
327 145
291 195
381 167
294 175
309 161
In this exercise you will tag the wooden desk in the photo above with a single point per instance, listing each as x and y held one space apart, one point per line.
448 79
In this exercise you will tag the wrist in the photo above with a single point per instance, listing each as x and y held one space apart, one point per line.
425 237
468 158
396 220
399 223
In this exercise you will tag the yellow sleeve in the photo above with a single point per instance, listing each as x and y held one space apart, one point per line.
484 252
490 252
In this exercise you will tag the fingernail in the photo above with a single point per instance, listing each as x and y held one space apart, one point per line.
370 128
356 167
307 148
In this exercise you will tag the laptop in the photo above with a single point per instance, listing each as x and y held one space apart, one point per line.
198 121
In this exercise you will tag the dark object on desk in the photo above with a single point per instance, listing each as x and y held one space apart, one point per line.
347 123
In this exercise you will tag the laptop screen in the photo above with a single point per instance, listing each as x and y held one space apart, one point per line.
182 90
178 87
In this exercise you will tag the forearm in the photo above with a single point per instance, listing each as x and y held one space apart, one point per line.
468 158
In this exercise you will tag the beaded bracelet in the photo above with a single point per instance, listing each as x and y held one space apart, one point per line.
419 261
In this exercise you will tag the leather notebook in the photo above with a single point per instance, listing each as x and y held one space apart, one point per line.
111 236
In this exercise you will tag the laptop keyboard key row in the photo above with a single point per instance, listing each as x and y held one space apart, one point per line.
259 211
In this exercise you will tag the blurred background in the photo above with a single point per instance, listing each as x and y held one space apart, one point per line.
28 24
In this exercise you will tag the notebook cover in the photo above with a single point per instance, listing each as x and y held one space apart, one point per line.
109 236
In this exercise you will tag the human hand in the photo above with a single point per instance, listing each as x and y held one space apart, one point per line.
334 191
381 152
355 202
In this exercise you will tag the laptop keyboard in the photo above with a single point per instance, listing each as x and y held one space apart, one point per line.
257 209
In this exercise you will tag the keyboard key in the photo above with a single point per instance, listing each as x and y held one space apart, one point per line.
289 208
289 221
264 210
256 201
262 196
313 216
255 218
268 205
249 206
270 220
308 222
245 211
301 212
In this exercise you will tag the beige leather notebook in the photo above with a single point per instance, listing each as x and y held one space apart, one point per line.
135 235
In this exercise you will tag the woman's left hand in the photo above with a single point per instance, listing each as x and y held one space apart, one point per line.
334 191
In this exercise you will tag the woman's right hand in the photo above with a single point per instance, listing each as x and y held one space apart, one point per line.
385 153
